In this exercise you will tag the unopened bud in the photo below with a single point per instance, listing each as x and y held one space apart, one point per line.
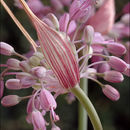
127 72
117 63
10 100
24 66
38 120
54 20
39 72
88 34
13 64
116 48
39 55
104 67
6 49
126 19
47 100
111 92
34 61
113 76
13 84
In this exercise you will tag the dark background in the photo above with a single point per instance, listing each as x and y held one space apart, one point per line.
114 115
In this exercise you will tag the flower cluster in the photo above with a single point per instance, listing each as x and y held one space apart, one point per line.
67 42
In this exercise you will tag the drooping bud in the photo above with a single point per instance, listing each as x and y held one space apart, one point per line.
13 64
38 120
116 48
6 49
13 84
117 63
47 100
127 72
25 66
88 34
111 92
57 52
113 76
10 100
39 72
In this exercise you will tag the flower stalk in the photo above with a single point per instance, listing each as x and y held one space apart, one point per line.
84 100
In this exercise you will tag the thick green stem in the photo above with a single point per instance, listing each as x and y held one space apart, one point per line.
82 115
84 100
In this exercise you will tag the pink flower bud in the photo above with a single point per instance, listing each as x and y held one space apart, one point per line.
111 92
103 68
13 64
24 66
116 48
47 100
38 120
113 76
64 21
6 49
126 19
57 4
10 100
66 2
117 63
127 72
80 10
27 81
39 72
1 88
88 34
13 84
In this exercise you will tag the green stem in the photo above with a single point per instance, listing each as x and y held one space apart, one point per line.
83 120
84 100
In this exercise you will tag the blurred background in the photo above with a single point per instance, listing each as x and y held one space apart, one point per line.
114 115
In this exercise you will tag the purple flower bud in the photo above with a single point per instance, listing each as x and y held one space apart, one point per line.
39 72
125 19
66 2
116 48
38 120
13 84
113 76
104 67
47 100
24 66
27 81
117 63
6 49
10 100
111 92
13 64
1 88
